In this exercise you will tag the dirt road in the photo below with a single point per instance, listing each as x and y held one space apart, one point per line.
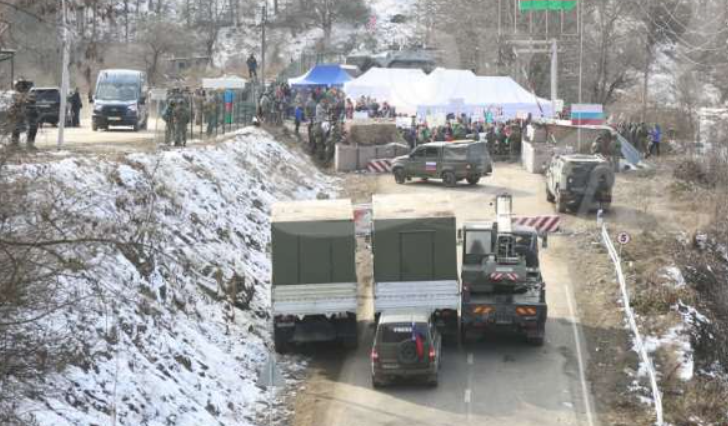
499 381
120 139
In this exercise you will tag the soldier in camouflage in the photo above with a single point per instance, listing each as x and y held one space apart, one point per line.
168 117
23 114
182 115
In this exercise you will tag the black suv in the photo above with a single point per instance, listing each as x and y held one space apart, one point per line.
406 345
48 104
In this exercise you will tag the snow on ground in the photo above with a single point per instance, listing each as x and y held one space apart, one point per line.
161 347
387 31
675 343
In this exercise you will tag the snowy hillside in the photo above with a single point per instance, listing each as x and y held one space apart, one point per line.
158 343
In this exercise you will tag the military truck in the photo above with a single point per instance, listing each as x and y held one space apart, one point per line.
579 181
314 283
502 286
450 161
414 246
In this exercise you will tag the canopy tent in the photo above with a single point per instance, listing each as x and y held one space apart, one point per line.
461 92
382 84
322 75
227 82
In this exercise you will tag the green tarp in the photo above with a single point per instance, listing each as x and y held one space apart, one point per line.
547 4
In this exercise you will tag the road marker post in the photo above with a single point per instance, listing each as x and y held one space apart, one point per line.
270 377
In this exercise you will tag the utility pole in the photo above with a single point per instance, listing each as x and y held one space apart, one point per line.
264 22
64 75
554 71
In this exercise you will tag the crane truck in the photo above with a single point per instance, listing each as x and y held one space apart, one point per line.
502 286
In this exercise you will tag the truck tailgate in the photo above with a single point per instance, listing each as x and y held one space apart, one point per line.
314 299
428 295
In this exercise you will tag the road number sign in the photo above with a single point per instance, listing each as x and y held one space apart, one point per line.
623 238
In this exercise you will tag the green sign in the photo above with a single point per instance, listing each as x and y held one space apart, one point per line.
547 4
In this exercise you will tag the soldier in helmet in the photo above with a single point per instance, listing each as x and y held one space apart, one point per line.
182 114
23 114
168 117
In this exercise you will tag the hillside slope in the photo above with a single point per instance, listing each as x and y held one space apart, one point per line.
156 341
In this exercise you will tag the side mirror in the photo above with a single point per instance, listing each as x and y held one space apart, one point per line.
91 99
142 100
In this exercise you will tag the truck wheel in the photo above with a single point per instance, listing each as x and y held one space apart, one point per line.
399 176
377 383
536 341
473 180
449 179
433 381
282 345
350 343
561 205
549 196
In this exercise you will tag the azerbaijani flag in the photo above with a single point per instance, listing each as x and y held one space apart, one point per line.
587 114
419 342
547 4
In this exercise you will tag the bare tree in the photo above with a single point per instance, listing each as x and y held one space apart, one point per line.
161 38
325 13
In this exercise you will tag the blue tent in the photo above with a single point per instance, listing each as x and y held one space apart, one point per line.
322 75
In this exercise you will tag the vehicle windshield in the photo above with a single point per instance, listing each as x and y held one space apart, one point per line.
47 95
478 244
123 92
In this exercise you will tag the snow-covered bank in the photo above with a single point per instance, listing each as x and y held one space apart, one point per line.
159 343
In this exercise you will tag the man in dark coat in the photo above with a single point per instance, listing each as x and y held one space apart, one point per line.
252 66
76 106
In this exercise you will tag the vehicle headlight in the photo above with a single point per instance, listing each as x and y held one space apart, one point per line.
98 108
133 108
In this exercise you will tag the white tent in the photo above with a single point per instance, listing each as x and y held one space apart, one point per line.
382 83
509 99
227 82
461 92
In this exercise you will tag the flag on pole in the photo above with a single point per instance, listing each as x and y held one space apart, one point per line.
587 114
547 4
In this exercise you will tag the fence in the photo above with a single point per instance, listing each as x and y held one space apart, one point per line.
639 342
215 114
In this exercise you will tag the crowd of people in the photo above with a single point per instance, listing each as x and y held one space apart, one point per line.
645 139
371 106
503 139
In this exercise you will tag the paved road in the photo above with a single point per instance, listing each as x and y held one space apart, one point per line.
500 381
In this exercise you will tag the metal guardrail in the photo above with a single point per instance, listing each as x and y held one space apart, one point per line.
639 341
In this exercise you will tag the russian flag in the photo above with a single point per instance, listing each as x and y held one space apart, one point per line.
587 114
431 166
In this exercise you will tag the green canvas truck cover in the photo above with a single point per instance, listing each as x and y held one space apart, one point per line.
414 238
313 242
